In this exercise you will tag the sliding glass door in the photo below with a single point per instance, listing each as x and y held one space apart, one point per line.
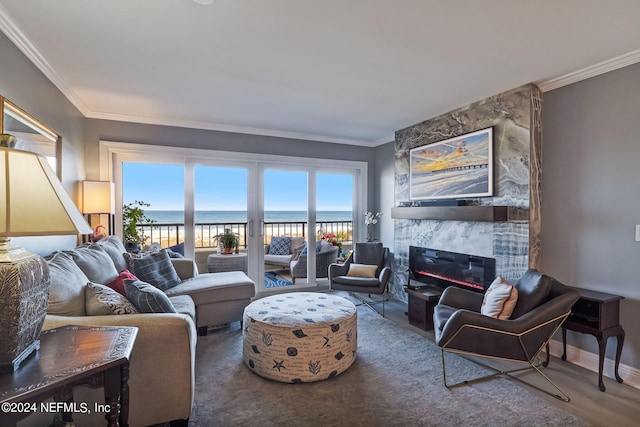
194 197
220 217
285 225
157 189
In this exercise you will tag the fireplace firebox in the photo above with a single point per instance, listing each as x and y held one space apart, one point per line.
441 269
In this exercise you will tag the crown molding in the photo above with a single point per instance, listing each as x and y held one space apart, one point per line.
229 128
591 71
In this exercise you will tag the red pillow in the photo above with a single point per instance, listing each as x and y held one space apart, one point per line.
117 284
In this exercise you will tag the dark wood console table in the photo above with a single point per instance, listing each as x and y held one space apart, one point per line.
421 304
597 314
68 357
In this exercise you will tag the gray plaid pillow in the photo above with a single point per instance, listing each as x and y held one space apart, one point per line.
154 268
147 298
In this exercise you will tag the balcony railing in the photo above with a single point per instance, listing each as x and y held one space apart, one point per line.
169 234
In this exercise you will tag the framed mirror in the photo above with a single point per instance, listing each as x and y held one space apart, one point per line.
31 134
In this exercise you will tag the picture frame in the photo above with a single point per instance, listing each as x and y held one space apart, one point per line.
456 168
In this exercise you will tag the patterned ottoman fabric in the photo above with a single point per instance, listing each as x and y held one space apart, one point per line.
300 336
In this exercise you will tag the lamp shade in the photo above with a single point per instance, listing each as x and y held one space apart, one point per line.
98 197
32 203
32 199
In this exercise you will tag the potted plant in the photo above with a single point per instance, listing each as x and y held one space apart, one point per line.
228 241
132 216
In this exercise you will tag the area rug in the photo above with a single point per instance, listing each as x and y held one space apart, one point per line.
274 280
395 381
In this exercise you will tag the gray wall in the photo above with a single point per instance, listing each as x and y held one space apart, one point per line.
590 198
22 83
384 185
106 130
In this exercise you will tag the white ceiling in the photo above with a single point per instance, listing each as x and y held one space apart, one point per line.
349 71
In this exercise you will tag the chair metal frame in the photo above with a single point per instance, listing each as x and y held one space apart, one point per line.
370 304
529 359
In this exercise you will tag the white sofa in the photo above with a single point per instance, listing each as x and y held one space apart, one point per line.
162 365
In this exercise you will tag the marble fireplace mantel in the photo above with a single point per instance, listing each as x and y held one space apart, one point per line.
462 213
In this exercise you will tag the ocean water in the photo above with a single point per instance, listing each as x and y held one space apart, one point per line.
226 217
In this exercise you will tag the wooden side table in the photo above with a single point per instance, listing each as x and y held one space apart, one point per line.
421 304
597 314
68 357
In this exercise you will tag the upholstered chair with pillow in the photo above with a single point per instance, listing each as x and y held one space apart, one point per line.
282 250
509 322
367 271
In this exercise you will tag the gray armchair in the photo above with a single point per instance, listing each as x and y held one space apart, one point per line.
543 305
371 253
324 258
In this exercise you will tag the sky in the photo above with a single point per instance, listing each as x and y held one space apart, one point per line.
218 188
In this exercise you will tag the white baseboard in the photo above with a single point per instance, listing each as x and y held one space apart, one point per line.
588 360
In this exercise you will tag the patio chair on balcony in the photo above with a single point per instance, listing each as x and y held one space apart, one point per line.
327 255
282 250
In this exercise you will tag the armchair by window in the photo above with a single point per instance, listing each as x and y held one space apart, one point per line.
368 271
324 258
542 306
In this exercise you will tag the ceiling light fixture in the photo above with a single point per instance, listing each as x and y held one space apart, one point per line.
203 1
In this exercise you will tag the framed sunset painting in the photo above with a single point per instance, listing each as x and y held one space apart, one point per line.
456 168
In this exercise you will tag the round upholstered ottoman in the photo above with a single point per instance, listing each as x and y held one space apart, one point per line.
300 336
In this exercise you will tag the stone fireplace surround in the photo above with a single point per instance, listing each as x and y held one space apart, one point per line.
516 118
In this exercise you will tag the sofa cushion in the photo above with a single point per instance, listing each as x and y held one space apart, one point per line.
117 284
356 281
533 289
95 263
113 246
66 297
101 300
210 288
184 305
154 268
280 245
499 300
147 298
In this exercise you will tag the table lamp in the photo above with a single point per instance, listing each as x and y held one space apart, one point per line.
32 203
98 198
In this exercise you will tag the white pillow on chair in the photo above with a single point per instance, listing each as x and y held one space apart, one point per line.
500 299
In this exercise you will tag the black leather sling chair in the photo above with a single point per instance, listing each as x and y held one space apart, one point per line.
543 305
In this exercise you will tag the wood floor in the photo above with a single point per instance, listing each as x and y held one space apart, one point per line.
618 406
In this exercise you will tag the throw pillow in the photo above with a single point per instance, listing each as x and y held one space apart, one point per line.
95 263
154 268
117 284
280 245
500 299
113 246
318 247
147 298
176 249
362 270
66 296
102 300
